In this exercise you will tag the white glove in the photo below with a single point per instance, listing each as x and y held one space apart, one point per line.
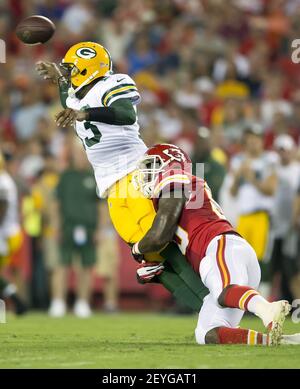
147 270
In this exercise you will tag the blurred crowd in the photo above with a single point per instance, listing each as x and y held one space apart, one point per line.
216 78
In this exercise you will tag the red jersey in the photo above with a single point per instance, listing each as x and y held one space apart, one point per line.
202 218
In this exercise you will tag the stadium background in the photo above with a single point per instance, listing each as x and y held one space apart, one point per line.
222 65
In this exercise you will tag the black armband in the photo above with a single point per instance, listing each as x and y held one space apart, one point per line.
119 113
101 114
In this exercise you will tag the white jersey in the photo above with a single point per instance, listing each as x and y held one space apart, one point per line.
249 199
8 192
112 150
288 181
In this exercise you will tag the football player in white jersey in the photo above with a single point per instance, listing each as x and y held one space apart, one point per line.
101 106
104 107
10 234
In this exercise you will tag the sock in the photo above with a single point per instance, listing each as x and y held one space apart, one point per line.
245 298
241 336
257 305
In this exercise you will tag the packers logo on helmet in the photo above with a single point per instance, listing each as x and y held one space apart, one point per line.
86 52
85 62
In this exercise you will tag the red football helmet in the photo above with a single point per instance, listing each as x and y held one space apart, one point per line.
157 160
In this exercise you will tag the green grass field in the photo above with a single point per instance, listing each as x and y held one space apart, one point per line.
129 341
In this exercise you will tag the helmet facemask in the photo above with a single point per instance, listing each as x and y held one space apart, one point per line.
71 71
68 71
148 170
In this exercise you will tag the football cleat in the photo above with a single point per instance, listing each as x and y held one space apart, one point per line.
273 318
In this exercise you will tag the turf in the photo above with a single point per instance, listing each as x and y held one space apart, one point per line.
129 341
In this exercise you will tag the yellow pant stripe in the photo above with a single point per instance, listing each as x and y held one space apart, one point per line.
221 260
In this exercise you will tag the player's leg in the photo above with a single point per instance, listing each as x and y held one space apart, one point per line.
218 325
107 268
179 264
232 274
59 274
87 254
241 292
58 291
131 214
84 285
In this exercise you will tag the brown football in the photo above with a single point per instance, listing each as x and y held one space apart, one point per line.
35 29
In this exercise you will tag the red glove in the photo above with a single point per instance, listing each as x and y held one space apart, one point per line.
146 271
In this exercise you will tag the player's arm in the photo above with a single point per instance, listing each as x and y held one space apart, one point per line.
121 113
163 227
267 186
235 184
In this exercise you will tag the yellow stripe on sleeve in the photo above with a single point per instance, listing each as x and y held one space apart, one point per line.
122 89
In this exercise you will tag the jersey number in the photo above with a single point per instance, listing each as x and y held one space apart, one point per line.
97 134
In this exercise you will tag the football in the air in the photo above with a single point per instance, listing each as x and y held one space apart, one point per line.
35 29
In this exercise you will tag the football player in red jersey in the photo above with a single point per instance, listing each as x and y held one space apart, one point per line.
228 266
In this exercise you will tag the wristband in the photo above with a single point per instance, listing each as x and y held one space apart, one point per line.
135 248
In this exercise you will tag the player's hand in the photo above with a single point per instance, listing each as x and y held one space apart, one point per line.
49 71
68 116
146 271
138 257
249 174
